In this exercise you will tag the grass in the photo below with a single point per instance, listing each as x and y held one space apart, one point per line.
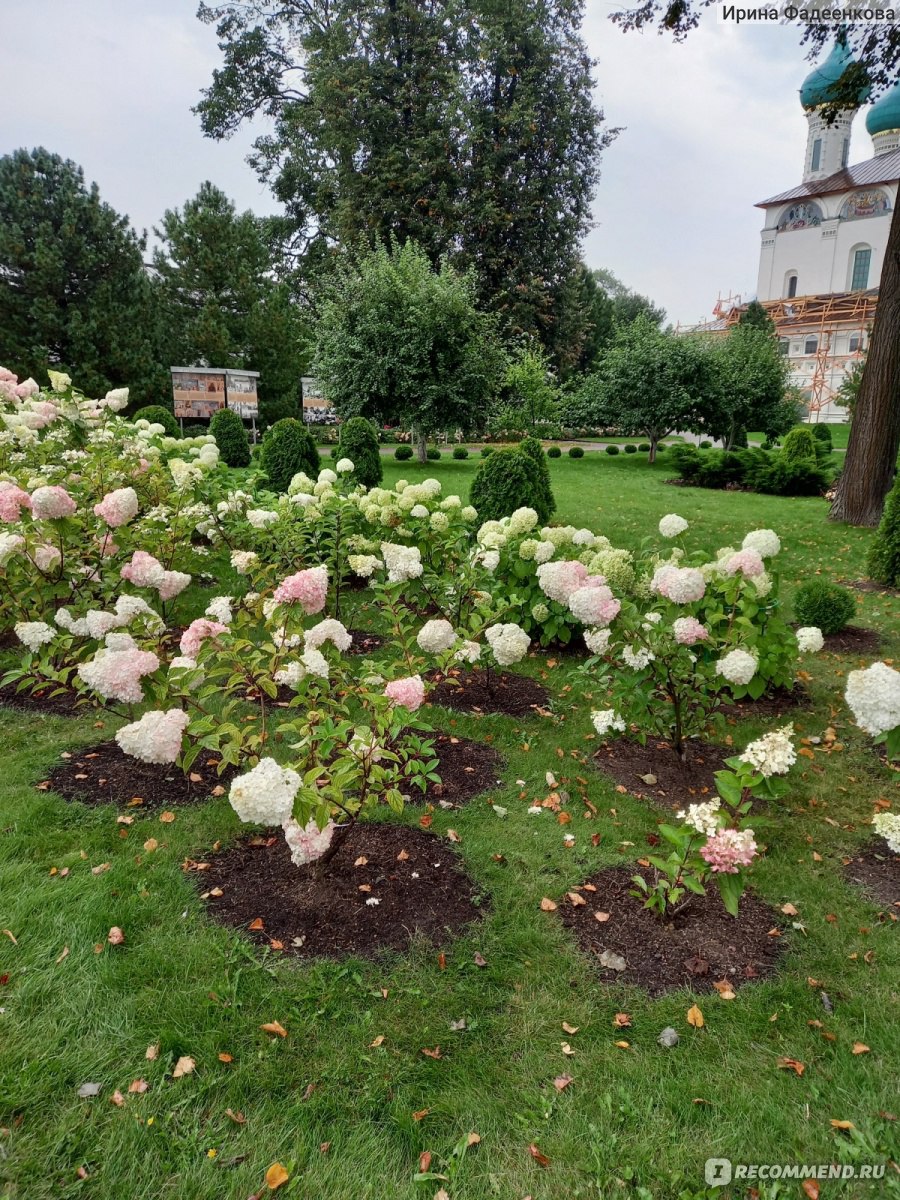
636 1123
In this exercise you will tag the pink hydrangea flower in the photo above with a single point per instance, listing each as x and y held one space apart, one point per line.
728 849
559 580
681 585
410 692
40 414
118 507
748 562
12 501
173 584
594 605
144 570
46 557
29 388
307 843
197 633
51 503
309 588
688 631
116 674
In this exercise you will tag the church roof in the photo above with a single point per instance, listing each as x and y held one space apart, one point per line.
819 86
883 168
885 114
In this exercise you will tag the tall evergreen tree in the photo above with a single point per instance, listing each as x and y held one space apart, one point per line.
465 125
221 304
74 291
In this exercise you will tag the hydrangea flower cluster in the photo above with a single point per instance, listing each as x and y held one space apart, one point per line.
772 754
156 737
688 631
403 562
559 580
197 633
509 643
873 696
607 720
34 634
308 588
118 507
408 692
810 639
594 605
265 794
148 572
887 825
703 817
737 666
765 542
672 525
328 630
436 636
748 562
116 674
729 849
12 500
681 585
51 502
307 843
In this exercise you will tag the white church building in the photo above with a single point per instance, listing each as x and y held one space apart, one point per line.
823 241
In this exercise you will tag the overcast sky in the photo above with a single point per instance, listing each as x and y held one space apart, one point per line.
709 127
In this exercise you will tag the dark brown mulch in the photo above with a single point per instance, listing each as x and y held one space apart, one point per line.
426 893
41 700
470 691
364 642
869 585
777 703
876 869
677 783
104 774
853 639
702 945
466 769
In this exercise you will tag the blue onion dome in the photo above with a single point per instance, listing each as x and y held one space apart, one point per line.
885 115
818 86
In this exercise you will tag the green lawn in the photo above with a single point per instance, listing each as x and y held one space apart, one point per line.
636 1123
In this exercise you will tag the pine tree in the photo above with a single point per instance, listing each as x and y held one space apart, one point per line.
75 294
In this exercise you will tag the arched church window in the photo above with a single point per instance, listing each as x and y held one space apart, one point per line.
811 345
800 216
790 285
816 155
870 203
860 262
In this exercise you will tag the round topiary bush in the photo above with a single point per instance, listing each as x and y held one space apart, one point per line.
505 481
486 450
824 604
333 453
554 452
644 447
157 415
545 502
660 449
231 438
576 452
884 554
358 441
822 434
706 444
609 450
288 448
403 453
196 430
432 453
460 452
799 446
630 448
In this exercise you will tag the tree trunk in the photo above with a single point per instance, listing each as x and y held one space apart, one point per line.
875 431
421 445
651 457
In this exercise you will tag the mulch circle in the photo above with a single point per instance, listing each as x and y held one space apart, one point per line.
777 703
853 639
66 704
104 774
677 783
702 945
425 893
876 869
505 692
869 585
466 769
364 642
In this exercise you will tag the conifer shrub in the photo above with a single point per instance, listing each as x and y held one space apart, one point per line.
822 433
505 481
288 448
403 453
884 554
231 438
824 604
358 441
534 452
799 446
157 415
460 452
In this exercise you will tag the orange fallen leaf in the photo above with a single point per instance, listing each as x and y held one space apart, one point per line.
402 856
621 1021
237 1117
724 988
789 910
424 1161
791 1064
548 905
151 844
473 1139
541 1159
623 1045
152 1052
575 899
811 1188
378 1040
435 1053
115 937
274 1027
421 1114
361 861
137 1087
567 1028
167 817
561 1082
841 1124
276 1176
860 1048
601 917
453 835
184 1066
695 1017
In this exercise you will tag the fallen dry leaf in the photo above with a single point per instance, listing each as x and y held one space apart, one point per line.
167 817
100 869
225 1058
841 1124
541 1159
695 1017
274 1027
724 988
789 910
184 1066
453 835
256 924
621 1021
575 899
479 959
791 1064
473 1139
64 953
548 905
151 844
623 1045
860 1048
237 1117
276 1176
117 1098
378 1040
601 917
137 1087
152 1052
810 1188
561 1082
566 1049
435 1053
424 1161
567 1028
421 1114
115 937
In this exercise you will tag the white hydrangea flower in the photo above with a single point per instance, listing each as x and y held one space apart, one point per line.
328 630
403 562
363 565
702 817
219 608
738 667
243 561
34 634
887 825
260 518
873 696
327 476
156 737
597 640
773 754
765 542
265 795
508 642
607 720
810 639
637 657
316 663
523 520
291 676
436 636
469 652
671 525
344 466
307 843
